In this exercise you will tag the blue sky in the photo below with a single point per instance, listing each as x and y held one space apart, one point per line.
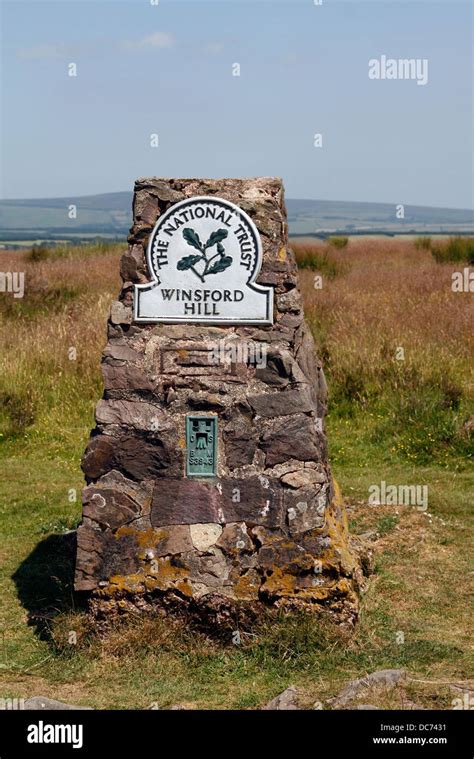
167 69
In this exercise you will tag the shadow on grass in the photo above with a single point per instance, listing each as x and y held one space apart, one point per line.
45 581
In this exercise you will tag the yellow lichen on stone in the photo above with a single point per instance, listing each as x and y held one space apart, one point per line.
281 585
167 577
145 538
167 574
335 560
339 552
132 583
247 586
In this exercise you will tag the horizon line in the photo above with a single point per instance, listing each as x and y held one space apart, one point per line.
313 200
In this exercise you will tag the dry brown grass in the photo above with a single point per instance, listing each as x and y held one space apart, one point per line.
396 341
391 295
65 307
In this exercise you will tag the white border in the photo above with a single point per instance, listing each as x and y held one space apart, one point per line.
268 291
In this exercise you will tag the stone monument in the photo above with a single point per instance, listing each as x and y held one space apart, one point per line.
208 483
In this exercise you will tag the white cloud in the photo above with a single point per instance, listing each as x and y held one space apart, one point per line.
155 41
55 50
290 59
42 52
214 48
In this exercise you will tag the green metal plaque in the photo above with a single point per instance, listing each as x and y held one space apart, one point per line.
201 446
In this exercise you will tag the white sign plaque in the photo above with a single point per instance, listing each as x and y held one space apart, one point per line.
204 254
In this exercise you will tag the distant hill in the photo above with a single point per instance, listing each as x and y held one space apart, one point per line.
106 215
109 215
351 217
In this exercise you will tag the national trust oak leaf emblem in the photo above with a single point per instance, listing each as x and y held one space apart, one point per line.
213 264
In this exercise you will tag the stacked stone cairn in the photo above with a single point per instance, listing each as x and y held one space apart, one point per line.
270 530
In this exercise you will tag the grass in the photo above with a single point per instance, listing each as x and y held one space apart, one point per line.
43 251
397 416
316 259
339 242
423 243
453 250
457 250
397 343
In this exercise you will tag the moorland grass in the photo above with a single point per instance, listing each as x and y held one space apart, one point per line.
398 416
456 249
